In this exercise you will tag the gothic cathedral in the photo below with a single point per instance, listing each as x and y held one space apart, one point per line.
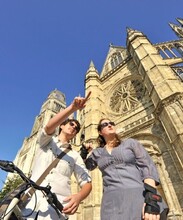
140 88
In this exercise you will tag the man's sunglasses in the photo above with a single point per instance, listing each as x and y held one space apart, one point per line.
74 126
105 124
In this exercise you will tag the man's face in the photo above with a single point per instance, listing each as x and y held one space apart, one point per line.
71 128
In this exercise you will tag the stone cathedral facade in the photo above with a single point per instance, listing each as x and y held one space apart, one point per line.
140 88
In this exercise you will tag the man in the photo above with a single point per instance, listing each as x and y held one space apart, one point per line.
59 177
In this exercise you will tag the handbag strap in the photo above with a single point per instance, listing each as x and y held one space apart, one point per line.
46 172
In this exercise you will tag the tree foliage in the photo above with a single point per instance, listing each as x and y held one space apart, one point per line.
10 185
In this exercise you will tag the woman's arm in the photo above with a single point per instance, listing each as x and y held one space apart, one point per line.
150 177
150 182
145 164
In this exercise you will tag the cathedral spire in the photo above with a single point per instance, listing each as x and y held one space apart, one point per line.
128 29
92 70
131 31
92 65
132 34
177 29
180 20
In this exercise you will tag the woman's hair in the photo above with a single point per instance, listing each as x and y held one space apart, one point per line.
100 139
72 120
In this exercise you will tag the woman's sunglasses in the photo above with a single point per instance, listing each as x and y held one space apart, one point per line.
105 124
74 126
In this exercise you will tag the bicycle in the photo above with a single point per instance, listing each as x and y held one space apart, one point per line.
13 208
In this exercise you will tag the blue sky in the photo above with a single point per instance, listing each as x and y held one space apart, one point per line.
48 44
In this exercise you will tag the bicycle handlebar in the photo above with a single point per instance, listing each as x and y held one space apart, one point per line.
9 166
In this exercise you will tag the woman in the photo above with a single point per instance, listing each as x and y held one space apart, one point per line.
129 177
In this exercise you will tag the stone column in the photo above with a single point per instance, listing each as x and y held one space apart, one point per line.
175 212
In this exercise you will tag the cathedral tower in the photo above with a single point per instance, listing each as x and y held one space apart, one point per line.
52 105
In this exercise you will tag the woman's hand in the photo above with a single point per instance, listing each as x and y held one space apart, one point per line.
85 149
148 216
89 146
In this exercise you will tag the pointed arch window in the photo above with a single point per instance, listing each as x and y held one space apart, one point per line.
179 70
116 59
57 106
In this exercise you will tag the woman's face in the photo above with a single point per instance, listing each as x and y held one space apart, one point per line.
107 127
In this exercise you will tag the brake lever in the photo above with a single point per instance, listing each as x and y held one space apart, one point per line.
53 201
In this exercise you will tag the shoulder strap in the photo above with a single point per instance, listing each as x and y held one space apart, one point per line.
46 172
53 164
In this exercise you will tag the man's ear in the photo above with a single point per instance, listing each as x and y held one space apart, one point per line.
62 126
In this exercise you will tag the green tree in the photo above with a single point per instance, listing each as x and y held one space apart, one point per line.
10 185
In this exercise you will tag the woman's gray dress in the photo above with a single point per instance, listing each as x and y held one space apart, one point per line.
123 172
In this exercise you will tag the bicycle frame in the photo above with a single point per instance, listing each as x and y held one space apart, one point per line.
13 206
